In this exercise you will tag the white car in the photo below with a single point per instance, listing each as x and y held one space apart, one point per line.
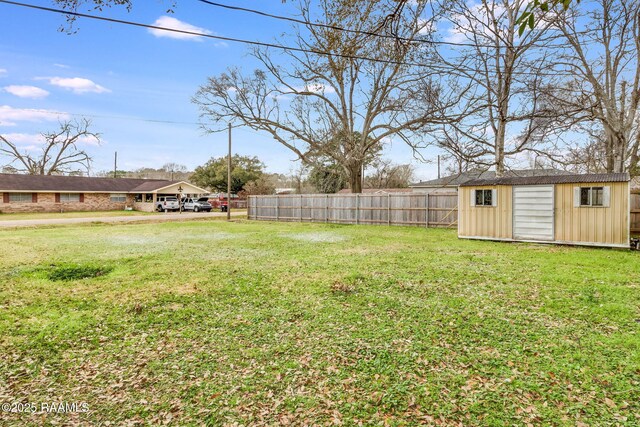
167 203
196 205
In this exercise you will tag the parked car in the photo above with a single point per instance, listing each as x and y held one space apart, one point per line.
196 205
167 203
219 201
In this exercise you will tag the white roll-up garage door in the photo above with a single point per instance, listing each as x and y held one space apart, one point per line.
533 212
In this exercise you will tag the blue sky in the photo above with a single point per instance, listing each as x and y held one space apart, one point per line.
120 76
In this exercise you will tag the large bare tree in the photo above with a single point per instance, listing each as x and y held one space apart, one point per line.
599 100
499 119
386 174
340 95
60 151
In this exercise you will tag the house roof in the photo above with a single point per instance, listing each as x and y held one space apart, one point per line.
550 179
461 178
378 190
78 184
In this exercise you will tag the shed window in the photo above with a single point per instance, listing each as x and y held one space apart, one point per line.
118 198
591 196
69 197
21 197
484 198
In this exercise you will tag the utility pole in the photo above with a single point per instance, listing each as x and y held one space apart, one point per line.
229 178
115 165
438 166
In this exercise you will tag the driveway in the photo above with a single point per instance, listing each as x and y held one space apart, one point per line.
161 217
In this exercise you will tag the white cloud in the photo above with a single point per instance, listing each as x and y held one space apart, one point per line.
61 66
320 88
26 91
89 140
3 72
314 87
78 85
426 26
9 116
176 24
27 141
478 23
31 141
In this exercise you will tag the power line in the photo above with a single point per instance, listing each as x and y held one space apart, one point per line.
249 42
199 34
348 30
100 116
338 28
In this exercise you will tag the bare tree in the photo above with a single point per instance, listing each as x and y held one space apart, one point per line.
498 120
342 94
174 170
602 96
60 152
263 185
385 174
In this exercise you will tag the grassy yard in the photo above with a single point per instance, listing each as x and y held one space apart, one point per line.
270 324
54 215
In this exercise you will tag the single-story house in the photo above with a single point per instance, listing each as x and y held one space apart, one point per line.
590 209
450 183
57 193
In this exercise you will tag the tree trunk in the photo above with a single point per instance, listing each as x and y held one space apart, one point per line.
499 149
355 177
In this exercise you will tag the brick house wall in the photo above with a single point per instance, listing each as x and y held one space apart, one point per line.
46 202
144 206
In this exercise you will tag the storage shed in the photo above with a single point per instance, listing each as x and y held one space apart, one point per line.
591 209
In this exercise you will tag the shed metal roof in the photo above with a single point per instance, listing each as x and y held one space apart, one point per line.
463 177
550 179
79 184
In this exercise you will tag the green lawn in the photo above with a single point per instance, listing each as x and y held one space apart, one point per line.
92 214
251 323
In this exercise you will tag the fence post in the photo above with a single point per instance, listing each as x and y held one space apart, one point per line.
301 208
427 210
357 209
388 208
277 208
326 208
249 208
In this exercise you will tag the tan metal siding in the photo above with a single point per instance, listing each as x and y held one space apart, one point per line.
485 221
597 224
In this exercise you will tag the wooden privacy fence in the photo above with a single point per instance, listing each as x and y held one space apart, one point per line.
635 212
417 209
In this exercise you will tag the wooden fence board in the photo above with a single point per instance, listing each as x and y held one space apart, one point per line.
634 216
415 209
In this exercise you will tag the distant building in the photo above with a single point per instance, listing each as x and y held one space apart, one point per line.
378 190
451 182
57 193
285 191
